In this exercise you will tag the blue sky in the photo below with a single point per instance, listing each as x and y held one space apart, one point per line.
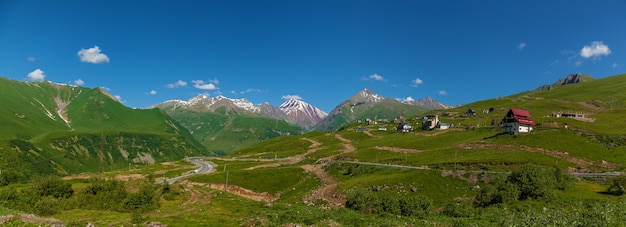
147 52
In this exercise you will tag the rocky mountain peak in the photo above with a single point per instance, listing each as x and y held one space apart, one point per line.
570 79
366 95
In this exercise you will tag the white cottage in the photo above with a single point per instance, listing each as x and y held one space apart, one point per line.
516 121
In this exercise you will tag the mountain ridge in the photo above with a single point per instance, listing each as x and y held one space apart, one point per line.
68 129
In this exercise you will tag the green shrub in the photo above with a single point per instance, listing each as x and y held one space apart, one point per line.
51 186
617 186
391 203
534 181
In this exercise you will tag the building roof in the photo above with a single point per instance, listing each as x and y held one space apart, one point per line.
522 116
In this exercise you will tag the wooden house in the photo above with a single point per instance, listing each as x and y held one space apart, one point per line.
516 121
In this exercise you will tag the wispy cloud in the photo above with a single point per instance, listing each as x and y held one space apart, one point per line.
442 92
595 50
375 77
36 75
521 45
93 55
249 90
554 62
200 84
615 65
179 83
119 98
290 97
214 81
416 82
153 92
31 59
79 82
407 99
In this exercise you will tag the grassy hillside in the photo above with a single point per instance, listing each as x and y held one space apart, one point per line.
469 175
346 113
61 129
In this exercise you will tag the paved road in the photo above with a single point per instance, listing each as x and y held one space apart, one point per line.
204 167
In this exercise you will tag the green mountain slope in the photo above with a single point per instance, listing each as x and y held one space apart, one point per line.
366 104
59 129
223 132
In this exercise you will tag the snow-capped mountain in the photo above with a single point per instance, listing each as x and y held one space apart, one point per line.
302 113
428 103
204 103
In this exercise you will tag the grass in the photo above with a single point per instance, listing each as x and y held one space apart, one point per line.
271 180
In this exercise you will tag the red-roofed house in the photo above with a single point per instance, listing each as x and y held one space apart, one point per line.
517 120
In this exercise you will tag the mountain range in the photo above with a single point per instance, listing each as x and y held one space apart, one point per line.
64 129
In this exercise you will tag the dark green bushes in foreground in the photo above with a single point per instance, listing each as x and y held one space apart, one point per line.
528 182
392 203
50 195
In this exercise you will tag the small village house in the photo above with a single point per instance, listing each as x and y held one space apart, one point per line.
429 122
517 121
404 127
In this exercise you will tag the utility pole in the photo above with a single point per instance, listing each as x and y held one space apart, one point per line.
226 179
455 160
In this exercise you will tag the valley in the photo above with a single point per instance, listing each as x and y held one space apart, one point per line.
563 171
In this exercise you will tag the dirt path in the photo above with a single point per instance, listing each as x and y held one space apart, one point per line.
591 106
237 190
314 147
584 164
347 146
370 134
397 149
29 218
327 192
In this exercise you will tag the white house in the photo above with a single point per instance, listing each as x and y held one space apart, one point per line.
516 121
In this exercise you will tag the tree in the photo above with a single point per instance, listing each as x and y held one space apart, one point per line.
534 181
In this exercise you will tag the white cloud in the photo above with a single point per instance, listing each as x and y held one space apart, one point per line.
408 99
377 77
250 90
176 84
93 55
31 59
521 45
416 82
595 50
443 92
200 84
36 75
106 88
119 98
554 62
289 97
79 82
214 81
153 92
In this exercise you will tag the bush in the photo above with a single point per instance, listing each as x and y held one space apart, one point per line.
143 200
457 210
617 186
51 186
104 194
534 181
379 203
